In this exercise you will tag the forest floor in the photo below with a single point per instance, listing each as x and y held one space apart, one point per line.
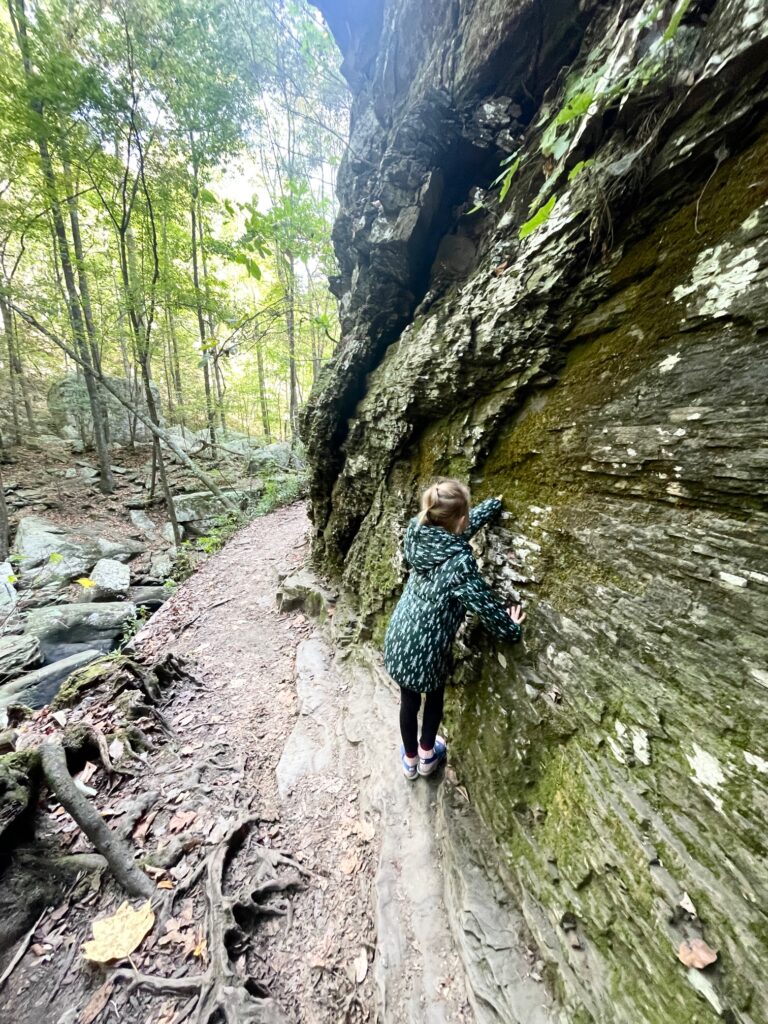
284 767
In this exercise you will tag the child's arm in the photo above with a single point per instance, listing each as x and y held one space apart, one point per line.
482 514
476 596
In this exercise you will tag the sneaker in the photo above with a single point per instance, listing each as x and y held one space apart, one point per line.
430 760
410 765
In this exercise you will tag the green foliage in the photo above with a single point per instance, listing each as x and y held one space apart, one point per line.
54 558
278 492
574 107
507 181
576 170
153 112
675 20
539 218
132 626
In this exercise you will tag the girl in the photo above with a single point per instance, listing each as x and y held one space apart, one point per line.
443 584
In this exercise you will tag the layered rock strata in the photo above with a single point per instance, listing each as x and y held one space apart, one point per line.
592 345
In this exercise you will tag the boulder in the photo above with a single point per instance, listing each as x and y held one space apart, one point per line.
144 524
184 438
51 556
70 411
17 654
274 457
302 589
8 595
111 579
72 628
161 564
40 687
166 532
202 506
149 597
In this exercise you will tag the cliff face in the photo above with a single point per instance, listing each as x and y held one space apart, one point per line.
594 348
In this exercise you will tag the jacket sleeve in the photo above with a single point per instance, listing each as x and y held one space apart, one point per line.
482 514
474 593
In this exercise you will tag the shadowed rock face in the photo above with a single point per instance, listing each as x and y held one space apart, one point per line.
594 349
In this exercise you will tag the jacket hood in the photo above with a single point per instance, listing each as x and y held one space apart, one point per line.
426 547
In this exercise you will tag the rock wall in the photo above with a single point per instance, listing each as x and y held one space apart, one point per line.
592 346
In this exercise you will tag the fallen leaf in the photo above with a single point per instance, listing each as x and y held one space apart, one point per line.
60 717
116 748
96 1003
167 1013
502 660
181 819
696 953
200 949
143 827
365 829
686 903
59 912
361 966
349 864
165 884
118 935
186 913
85 582
88 771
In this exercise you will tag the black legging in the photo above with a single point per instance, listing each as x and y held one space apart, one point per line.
410 703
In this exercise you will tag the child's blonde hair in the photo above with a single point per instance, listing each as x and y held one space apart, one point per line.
444 504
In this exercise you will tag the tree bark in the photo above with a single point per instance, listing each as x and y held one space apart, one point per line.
85 294
263 391
199 307
218 381
8 332
4 532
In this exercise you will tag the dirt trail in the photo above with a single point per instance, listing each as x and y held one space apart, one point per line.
352 925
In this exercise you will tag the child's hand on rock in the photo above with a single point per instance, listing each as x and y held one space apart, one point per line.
517 614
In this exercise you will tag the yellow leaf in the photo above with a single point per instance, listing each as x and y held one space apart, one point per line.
200 949
165 884
116 937
12 578
85 582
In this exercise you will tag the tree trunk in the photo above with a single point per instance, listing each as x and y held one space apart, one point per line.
263 391
85 294
200 316
217 377
175 365
4 539
8 332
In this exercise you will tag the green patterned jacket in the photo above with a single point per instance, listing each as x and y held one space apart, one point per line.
444 583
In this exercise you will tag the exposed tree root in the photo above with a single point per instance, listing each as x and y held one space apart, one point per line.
117 854
223 995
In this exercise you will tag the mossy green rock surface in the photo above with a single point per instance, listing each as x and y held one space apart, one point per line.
604 370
